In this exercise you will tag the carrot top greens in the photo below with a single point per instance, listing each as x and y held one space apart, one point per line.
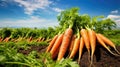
72 19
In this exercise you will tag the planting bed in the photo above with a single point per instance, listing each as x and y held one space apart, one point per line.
102 57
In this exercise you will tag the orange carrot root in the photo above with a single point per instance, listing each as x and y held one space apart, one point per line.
51 43
65 43
92 37
54 56
81 49
72 43
108 42
104 45
56 44
75 48
85 36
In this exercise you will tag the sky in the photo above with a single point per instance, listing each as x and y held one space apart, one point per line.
43 13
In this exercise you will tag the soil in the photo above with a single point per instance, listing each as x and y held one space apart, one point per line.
102 58
39 49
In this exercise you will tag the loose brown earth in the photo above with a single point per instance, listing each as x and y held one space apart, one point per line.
102 57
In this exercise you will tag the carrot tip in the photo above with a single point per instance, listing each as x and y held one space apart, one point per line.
117 51
113 53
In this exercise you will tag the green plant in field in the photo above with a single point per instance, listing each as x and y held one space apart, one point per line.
62 63
15 33
66 63
5 32
10 57
30 60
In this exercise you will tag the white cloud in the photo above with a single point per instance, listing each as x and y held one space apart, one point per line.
114 12
33 21
57 9
31 5
117 22
115 18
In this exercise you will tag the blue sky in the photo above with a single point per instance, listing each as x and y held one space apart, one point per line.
43 13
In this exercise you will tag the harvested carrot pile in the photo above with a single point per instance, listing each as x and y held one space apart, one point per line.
79 32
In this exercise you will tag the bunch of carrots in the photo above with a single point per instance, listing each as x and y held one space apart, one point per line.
73 43
76 36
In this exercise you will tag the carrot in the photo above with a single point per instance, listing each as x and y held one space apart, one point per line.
43 39
85 36
55 54
108 42
81 48
75 47
7 39
1 39
103 44
48 40
56 44
72 43
92 37
65 43
51 43
39 39
30 39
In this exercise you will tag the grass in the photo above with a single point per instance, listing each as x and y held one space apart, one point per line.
10 57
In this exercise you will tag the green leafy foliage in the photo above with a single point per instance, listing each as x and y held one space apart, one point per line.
5 32
27 32
66 63
71 17
10 57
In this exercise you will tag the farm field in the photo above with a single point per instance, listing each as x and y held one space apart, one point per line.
78 41
14 53
27 51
